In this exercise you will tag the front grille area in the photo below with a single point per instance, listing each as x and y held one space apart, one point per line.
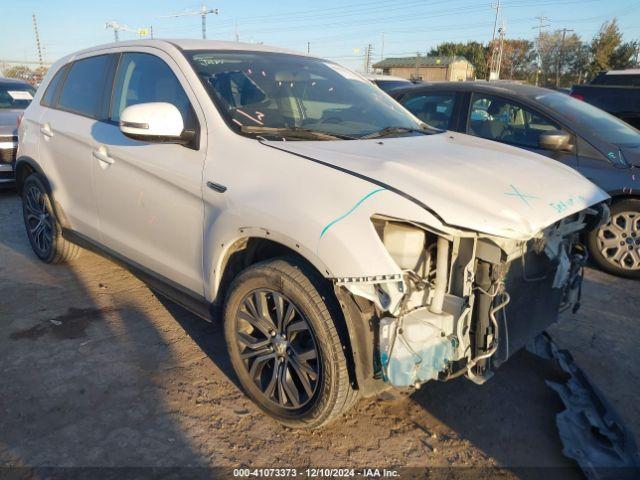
7 155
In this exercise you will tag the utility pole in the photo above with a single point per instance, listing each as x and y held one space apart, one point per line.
237 33
560 63
367 58
203 12
417 74
141 32
497 7
382 46
541 19
38 46
116 28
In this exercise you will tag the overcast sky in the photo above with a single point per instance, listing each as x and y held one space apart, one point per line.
336 29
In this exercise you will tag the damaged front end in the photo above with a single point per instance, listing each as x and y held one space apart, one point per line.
466 301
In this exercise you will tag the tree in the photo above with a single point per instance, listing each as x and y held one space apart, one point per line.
517 57
604 46
475 52
624 56
18 71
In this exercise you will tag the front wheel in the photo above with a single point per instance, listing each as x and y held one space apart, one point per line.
284 345
615 247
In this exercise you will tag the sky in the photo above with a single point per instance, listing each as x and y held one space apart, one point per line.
334 29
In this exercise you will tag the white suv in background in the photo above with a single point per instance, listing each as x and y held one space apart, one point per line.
352 247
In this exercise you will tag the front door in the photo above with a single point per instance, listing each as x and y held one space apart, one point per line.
150 194
507 121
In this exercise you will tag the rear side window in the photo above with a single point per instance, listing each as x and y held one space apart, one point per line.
83 90
144 78
435 109
49 96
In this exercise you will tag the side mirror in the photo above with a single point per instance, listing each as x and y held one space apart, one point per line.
555 140
153 122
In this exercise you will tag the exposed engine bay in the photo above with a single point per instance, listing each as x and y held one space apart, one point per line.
467 302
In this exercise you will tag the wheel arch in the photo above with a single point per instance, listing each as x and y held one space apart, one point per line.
352 323
25 166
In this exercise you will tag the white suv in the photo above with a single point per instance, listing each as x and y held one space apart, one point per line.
351 247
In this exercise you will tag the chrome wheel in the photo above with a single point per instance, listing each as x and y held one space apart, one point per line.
619 240
277 348
38 219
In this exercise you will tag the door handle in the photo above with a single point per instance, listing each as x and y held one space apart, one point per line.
217 187
46 130
102 155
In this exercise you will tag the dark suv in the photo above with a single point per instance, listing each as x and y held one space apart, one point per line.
600 146
15 96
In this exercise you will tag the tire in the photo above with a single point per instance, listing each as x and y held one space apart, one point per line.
279 371
615 247
43 228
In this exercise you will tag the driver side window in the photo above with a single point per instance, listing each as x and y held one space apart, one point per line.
496 118
144 78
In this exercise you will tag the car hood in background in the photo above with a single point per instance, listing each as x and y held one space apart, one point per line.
9 121
469 182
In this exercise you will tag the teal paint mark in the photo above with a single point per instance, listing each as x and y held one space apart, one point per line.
351 210
522 196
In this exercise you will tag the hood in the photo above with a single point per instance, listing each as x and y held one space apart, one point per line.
469 182
9 121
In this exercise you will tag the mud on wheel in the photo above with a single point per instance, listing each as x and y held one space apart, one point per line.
284 346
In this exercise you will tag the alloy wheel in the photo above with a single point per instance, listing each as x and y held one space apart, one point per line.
38 219
619 240
278 348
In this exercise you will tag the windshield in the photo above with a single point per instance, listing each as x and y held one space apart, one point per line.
602 125
275 94
16 95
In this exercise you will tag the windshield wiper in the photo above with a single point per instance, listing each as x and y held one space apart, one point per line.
299 132
426 130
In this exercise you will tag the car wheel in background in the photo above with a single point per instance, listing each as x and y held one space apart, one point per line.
615 247
284 345
43 229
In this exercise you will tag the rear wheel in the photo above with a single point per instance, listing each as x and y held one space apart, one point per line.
615 247
43 229
284 345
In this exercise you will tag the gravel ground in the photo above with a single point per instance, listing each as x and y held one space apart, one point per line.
96 370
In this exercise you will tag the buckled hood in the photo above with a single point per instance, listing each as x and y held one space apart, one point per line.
470 183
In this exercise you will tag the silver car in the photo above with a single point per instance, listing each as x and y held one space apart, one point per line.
15 96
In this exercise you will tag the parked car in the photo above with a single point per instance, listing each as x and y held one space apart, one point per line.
15 96
598 145
351 247
389 83
616 92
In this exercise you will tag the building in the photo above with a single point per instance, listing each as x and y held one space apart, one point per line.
428 69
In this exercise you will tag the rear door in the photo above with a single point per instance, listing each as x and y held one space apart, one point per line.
508 121
67 129
150 194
